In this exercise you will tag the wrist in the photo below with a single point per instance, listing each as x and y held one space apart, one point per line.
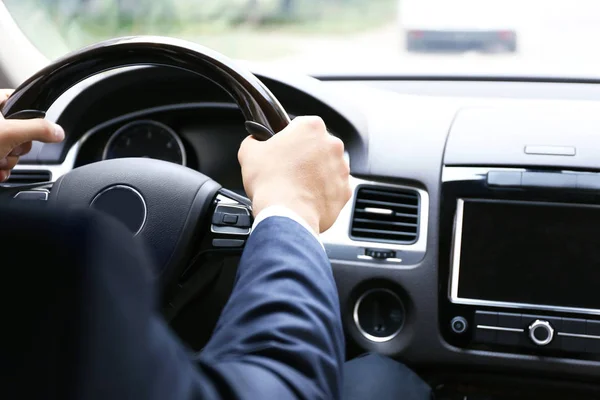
304 210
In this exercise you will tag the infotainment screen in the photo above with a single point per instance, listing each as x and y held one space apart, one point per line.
541 255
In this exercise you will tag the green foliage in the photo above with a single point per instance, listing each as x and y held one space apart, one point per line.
231 26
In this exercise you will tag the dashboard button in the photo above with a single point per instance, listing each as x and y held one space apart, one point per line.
541 332
507 320
504 178
556 322
487 336
572 325
486 318
509 338
549 180
459 325
592 328
573 344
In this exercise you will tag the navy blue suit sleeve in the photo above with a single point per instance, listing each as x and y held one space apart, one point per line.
92 330
280 334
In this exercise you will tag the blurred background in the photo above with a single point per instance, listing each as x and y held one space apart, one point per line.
342 36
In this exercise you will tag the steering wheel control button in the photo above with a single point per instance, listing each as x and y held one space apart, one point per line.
38 195
379 315
125 204
229 243
541 332
231 220
459 325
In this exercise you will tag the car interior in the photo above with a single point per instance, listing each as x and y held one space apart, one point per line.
468 249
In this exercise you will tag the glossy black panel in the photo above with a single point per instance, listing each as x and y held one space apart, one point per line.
256 101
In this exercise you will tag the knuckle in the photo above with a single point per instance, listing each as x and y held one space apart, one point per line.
312 122
348 193
44 127
337 145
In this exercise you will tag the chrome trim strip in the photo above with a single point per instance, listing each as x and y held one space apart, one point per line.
361 330
45 191
578 335
375 210
450 174
369 258
456 247
500 328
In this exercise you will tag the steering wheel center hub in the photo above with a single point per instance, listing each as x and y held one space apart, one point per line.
125 204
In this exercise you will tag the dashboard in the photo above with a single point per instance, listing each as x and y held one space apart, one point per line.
470 242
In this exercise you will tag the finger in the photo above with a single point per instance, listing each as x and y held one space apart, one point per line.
8 163
21 150
13 133
4 175
5 94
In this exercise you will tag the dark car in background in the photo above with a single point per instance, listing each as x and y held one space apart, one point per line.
458 25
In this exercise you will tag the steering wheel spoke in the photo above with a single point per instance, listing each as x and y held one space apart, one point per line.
27 192
184 217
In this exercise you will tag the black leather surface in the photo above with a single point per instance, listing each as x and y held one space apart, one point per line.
170 192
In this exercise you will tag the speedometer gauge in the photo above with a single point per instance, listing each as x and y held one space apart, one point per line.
148 139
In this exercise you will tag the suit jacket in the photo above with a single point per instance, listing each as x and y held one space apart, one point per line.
90 328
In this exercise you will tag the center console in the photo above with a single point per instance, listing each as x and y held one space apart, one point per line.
520 261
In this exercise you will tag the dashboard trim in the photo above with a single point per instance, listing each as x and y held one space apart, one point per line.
340 246
356 320
479 173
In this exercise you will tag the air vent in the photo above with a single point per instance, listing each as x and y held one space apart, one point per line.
24 177
385 215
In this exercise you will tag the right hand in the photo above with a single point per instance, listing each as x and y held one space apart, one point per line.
16 137
302 168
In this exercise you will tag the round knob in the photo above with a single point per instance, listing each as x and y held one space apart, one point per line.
458 325
541 332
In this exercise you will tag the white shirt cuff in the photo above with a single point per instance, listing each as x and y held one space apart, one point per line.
281 211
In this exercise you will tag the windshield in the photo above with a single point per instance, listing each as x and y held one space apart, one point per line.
440 37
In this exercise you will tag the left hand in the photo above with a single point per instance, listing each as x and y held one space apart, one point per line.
16 137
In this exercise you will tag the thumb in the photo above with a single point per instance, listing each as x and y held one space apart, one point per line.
15 132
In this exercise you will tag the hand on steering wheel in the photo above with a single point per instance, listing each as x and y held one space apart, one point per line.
16 137
173 207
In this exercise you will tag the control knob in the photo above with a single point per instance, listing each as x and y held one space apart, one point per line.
541 332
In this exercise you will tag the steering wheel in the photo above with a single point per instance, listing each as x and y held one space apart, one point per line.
168 205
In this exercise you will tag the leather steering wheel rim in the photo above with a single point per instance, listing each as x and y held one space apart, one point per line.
172 200
256 102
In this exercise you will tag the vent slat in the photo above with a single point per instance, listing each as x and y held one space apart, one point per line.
374 221
403 215
384 232
386 215
396 195
387 203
